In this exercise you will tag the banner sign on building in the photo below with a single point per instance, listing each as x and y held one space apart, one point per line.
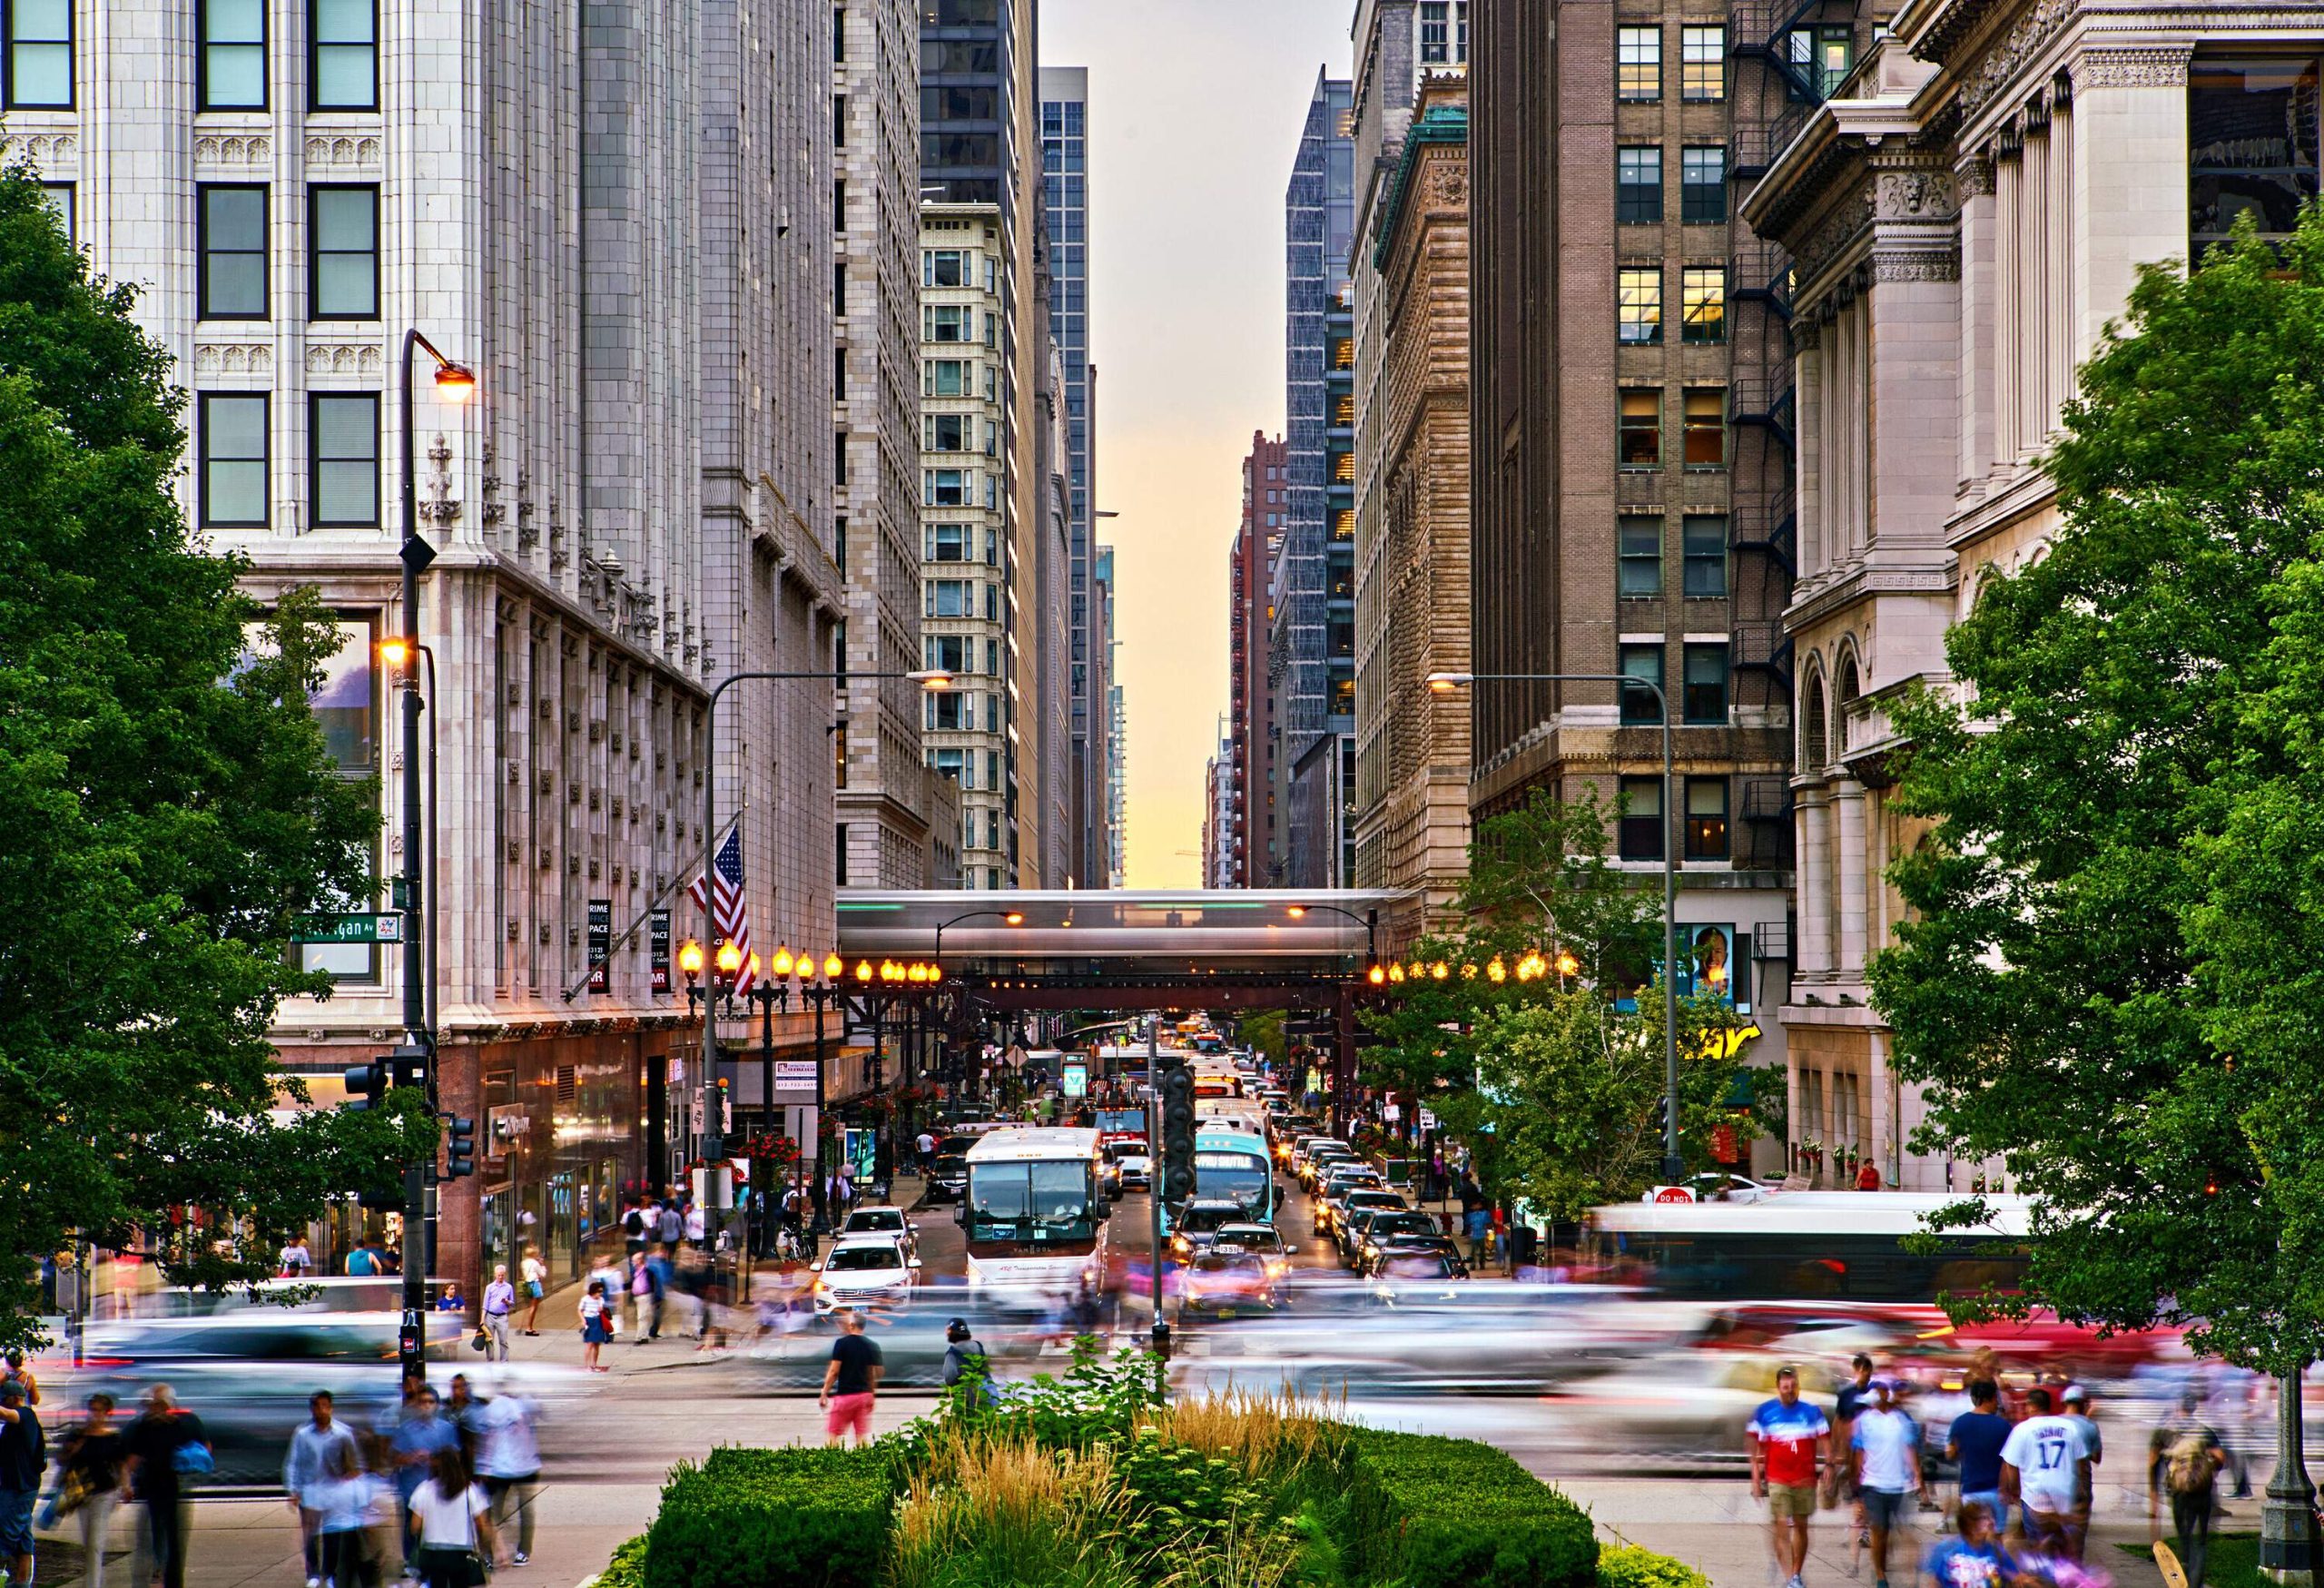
601 945
658 936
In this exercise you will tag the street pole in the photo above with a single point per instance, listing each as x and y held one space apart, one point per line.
411 1344
1674 1167
1161 1335
2288 1512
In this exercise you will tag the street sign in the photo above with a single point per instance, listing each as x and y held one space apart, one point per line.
1673 1194
795 1073
348 928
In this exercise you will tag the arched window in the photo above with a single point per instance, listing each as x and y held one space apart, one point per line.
1811 723
1846 690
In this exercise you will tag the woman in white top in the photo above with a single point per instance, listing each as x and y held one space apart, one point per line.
535 1274
452 1519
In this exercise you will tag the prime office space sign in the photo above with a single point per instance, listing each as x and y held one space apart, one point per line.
601 945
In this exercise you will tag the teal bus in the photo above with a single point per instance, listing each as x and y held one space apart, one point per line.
1233 1162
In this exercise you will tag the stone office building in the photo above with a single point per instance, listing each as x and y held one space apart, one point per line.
1966 216
637 501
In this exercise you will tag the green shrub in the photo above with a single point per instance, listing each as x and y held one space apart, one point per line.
791 1518
1432 1512
1629 1566
627 1568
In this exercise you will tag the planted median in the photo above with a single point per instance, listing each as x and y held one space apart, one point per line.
1089 1480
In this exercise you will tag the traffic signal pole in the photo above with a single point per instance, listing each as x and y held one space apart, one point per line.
1154 1176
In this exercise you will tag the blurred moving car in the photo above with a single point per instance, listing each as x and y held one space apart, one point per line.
1196 1223
1227 1282
1400 1268
1265 1239
1392 1226
1347 1192
1719 1186
1357 1210
1133 1166
1681 1406
865 1270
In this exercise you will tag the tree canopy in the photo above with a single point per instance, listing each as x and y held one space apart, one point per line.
1556 1078
167 811
2108 974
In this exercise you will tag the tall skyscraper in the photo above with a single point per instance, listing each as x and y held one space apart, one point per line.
899 821
1116 723
1256 836
979 128
1065 110
1311 637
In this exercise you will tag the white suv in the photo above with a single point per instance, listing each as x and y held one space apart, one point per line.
865 1270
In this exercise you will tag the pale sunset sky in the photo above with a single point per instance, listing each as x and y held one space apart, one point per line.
1194 113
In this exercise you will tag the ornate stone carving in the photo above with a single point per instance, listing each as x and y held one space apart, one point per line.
1807 333
233 359
1837 231
2005 60
1916 266
358 358
2153 68
1916 195
440 508
344 150
1973 177
230 149
1451 184
48 151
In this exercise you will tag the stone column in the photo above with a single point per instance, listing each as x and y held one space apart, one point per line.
1815 812
2130 112
1847 798
1977 406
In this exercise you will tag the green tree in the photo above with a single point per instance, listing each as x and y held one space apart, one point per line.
1555 1079
166 812
2108 974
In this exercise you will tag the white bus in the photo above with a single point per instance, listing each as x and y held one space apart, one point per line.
1852 1246
1034 1210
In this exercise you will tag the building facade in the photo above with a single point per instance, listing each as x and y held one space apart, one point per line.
1116 731
1411 549
899 823
1065 131
1256 836
1966 215
965 550
290 199
1313 636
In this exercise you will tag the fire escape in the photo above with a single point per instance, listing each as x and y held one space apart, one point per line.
1788 56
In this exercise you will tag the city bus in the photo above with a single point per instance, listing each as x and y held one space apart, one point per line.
1034 1211
1216 1078
1835 1245
1231 1162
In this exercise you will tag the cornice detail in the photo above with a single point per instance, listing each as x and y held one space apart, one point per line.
2160 67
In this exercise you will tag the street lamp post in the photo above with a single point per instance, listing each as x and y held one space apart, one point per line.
713 1144
456 383
1674 1168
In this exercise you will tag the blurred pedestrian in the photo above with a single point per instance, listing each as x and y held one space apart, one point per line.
298 1262
499 1301
423 1433
1885 1453
697 1226
1853 1396
535 1275
167 1449
965 1361
927 1146
450 1525
2074 1406
1975 1559
594 1332
89 1486
342 1497
850 1381
311 1445
670 1224
508 1460
2183 1459
633 1228
24 1461
463 1408
1974 1442
17 1373
363 1263
1786 1437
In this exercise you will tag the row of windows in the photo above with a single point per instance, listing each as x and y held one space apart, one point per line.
1642 828
1702 684
1702 64
1702 184
956 543
231 229
956 488
957 598
957 654
956 267
1702 429
233 437
1702 549
1702 304
956 322
955 711
1444 32
229 55
957 378
961 766
957 432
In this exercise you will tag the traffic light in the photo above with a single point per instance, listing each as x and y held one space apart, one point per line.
1176 1085
459 1148
409 1064
367 1086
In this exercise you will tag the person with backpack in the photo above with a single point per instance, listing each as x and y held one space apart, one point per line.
2184 1459
167 1447
965 1360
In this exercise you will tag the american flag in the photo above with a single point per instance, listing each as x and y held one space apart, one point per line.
732 916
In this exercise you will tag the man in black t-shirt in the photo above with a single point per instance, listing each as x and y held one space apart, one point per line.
154 1443
851 1380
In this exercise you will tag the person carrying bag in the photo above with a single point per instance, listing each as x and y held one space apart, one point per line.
453 1522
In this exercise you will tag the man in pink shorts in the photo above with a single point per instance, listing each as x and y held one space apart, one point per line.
851 1380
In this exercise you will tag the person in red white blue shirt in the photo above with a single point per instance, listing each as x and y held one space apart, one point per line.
1787 1438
